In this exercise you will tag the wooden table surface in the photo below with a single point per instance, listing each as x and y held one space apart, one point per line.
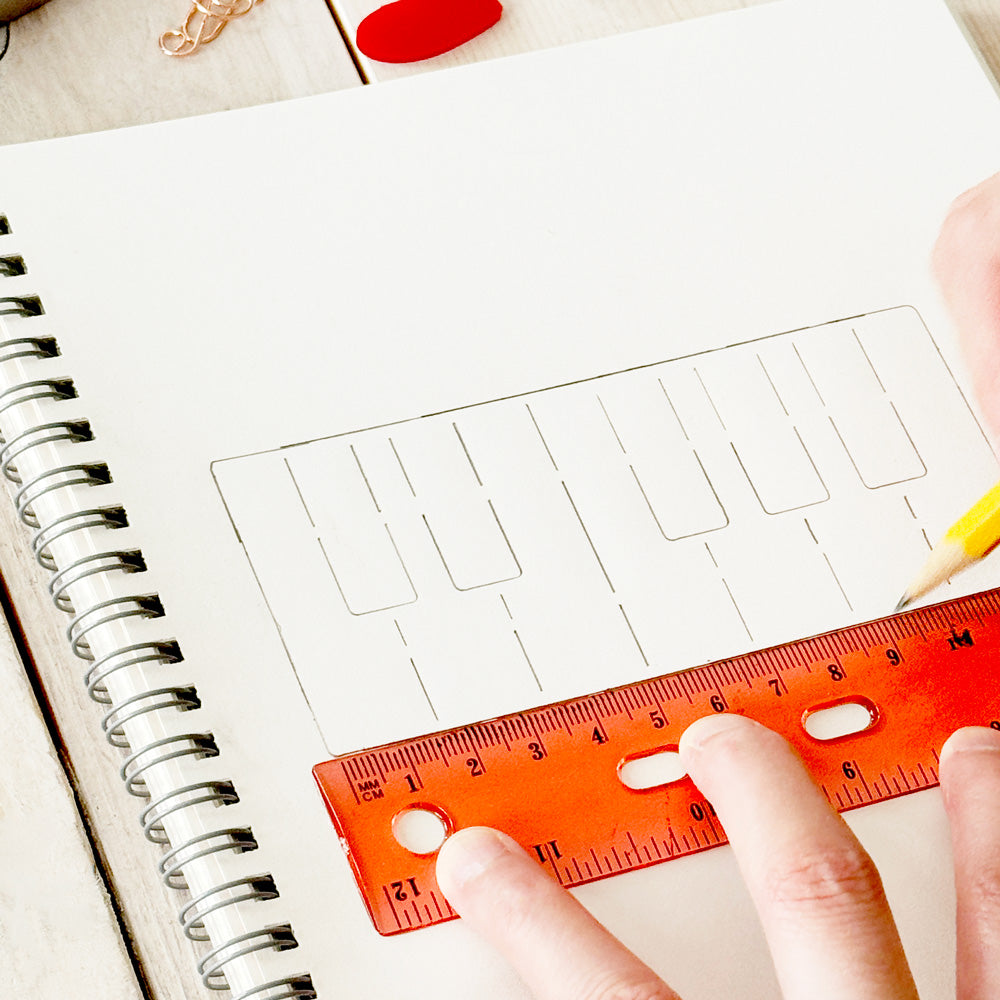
76 66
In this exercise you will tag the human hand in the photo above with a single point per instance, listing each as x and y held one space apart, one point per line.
819 898
817 893
966 263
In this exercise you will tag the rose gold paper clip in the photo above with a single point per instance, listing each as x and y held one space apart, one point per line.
202 25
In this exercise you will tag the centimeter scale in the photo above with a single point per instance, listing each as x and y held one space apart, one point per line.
554 777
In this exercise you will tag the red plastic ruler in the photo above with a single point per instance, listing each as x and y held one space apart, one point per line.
550 776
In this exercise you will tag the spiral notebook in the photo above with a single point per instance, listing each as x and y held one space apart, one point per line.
356 417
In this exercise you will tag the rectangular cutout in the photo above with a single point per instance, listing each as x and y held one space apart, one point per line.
765 442
352 534
863 416
462 521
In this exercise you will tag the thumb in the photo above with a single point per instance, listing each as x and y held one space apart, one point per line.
556 946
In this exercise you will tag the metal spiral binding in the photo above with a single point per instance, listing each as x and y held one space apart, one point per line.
92 521
66 430
240 890
277 937
29 347
292 988
113 722
27 305
11 267
199 745
25 392
127 656
239 840
91 474
130 561
114 609
81 520
221 793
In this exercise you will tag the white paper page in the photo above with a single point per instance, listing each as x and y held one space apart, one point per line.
550 290
525 550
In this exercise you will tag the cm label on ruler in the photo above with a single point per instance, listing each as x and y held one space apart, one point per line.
591 785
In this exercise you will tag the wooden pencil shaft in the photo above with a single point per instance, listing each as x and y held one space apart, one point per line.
978 530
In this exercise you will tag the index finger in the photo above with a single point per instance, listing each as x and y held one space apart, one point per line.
817 892
967 265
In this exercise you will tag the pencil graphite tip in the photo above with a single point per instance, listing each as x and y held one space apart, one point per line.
905 601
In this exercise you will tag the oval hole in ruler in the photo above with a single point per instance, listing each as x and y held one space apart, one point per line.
651 769
421 828
835 720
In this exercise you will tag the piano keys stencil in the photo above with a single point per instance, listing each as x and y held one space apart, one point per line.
521 550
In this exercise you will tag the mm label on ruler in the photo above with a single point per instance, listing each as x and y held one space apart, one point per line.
552 777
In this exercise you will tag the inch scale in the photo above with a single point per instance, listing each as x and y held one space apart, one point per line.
551 777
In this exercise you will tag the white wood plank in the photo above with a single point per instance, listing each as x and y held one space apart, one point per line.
81 67
58 935
981 20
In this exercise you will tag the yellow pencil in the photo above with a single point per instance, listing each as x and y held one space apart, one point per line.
971 537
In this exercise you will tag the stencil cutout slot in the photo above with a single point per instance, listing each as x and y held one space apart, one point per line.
652 769
840 719
421 828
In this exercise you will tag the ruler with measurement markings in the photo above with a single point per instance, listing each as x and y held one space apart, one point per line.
552 777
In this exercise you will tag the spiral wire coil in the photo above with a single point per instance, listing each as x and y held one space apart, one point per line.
93 522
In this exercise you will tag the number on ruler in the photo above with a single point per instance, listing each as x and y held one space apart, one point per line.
548 851
699 810
400 892
959 639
